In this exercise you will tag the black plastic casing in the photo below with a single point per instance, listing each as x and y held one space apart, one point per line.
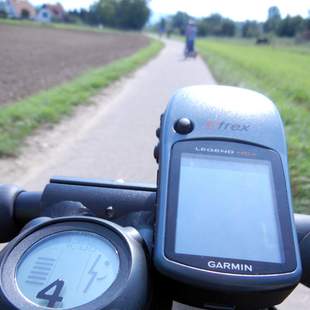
131 290
223 117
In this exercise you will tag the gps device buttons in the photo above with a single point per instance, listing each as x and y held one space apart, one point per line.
156 152
158 133
183 126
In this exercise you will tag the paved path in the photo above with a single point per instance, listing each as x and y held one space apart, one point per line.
115 137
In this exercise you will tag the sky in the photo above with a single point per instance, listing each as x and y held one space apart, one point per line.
238 10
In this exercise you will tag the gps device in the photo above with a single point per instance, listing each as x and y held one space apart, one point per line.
224 213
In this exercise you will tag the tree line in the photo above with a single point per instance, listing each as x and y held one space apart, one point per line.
120 14
217 25
290 26
134 15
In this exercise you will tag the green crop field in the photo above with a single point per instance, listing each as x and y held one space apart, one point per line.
283 74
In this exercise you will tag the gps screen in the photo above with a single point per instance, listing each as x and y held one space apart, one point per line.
227 209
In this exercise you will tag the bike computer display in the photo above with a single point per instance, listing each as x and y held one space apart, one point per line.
224 217
74 263
47 267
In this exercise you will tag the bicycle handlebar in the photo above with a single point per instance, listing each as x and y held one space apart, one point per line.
124 204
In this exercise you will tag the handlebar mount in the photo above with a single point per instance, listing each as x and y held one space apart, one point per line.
126 205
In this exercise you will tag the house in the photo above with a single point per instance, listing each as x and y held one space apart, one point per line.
57 11
51 12
44 15
20 9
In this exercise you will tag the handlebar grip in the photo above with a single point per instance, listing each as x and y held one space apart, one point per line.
303 233
8 226
27 206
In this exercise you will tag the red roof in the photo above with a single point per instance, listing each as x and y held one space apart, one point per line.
23 5
56 9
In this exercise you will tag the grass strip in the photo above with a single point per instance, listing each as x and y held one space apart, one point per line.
20 119
283 75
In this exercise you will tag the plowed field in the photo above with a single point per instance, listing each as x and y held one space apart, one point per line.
37 58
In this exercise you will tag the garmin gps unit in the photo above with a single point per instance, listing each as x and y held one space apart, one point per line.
224 219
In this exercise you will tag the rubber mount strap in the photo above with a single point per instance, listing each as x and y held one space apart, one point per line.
8 226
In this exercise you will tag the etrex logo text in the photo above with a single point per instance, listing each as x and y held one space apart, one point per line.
222 125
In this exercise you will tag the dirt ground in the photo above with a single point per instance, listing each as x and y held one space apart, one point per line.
32 59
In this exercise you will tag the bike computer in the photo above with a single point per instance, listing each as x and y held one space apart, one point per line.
224 217
74 263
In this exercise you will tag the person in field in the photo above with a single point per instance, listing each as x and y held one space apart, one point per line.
190 34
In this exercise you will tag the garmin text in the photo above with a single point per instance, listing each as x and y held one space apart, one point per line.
230 266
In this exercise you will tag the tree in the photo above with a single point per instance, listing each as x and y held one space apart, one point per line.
274 12
228 28
216 25
290 26
250 29
273 21
202 28
179 21
93 17
307 24
162 23
106 11
83 16
3 11
124 14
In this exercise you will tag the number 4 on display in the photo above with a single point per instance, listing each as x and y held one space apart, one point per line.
54 296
